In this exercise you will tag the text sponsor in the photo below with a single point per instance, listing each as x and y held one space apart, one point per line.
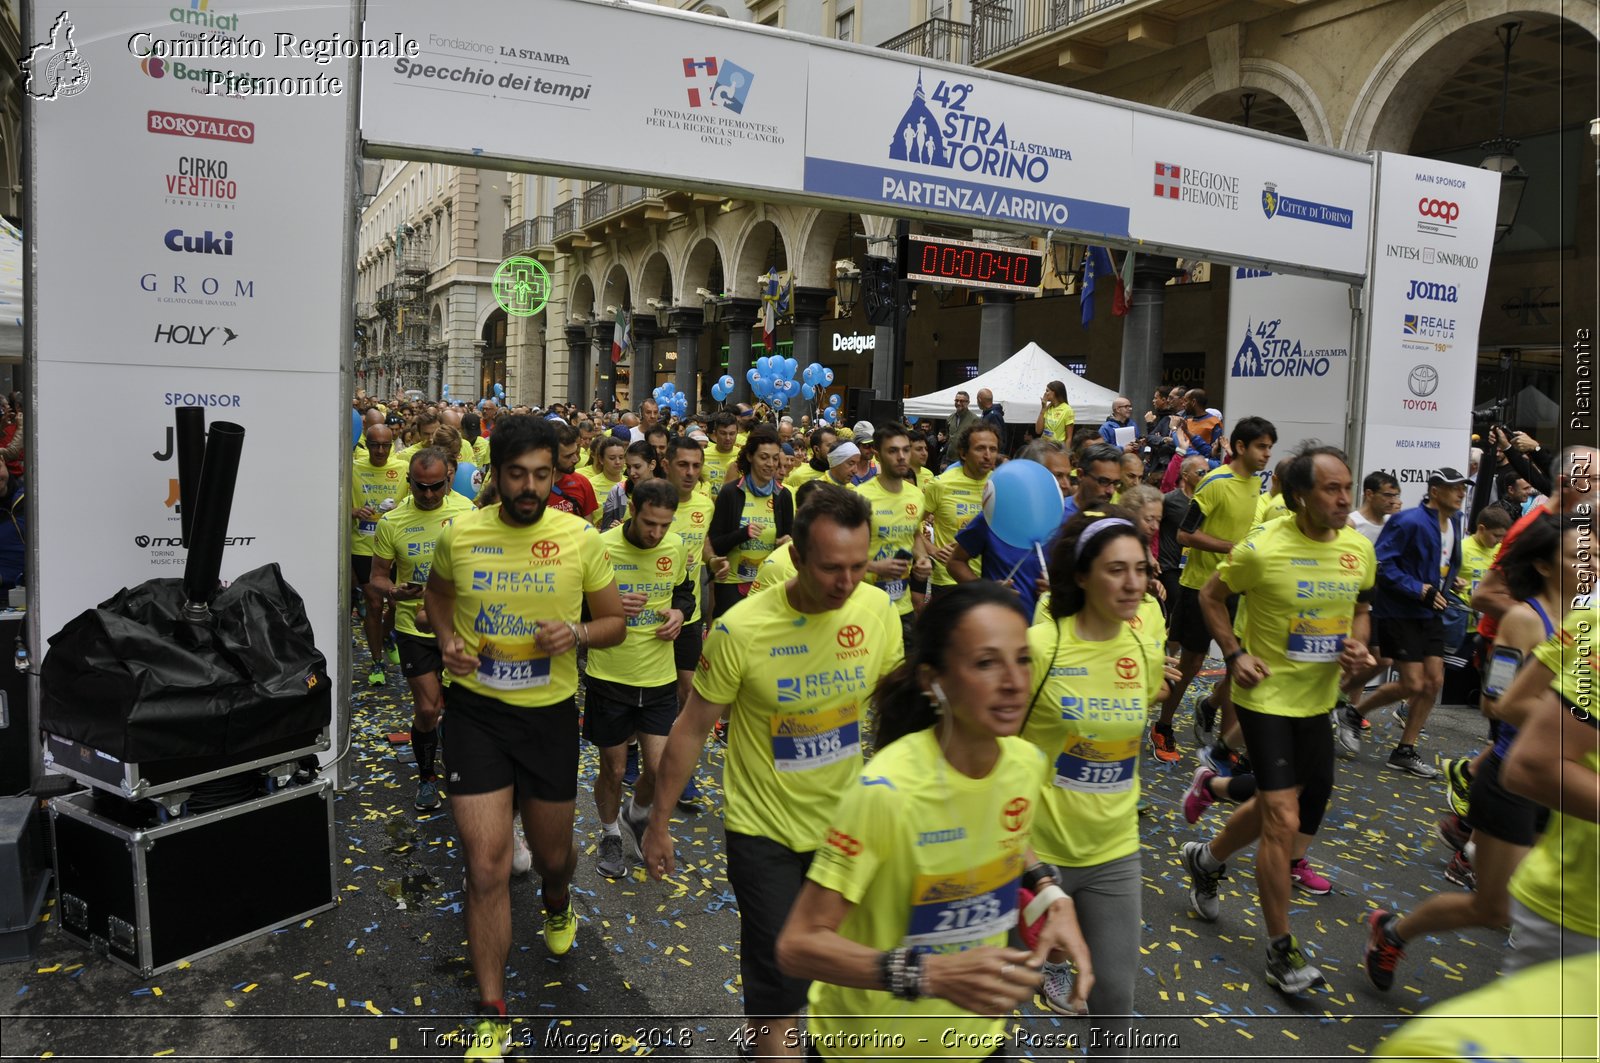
183 288
1437 217
202 398
958 137
1206 188
1268 351
499 620
532 85
194 335
213 82
155 541
175 124
488 581
199 179
855 343
1274 205
1431 292
207 243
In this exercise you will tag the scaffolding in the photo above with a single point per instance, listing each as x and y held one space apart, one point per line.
412 357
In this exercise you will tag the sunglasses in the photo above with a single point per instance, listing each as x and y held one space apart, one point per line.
1105 481
437 485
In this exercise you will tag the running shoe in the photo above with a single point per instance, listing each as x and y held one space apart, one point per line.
689 800
1348 723
1454 832
1288 971
394 655
1056 993
1163 746
427 795
1406 758
1460 872
1202 883
1307 879
1384 951
1216 758
376 678
610 862
489 1038
1458 784
1205 721
559 929
1198 797
633 833
630 773
521 858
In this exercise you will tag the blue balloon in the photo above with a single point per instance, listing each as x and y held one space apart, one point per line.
827 376
833 400
727 383
912 419
1022 503
355 427
467 481
790 366
808 391
716 392
499 390
752 375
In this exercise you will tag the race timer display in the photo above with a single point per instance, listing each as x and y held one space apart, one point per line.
971 265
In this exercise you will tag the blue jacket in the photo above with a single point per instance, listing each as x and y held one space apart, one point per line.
1408 558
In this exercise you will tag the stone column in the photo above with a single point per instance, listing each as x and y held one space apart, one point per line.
686 328
740 315
605 388
642 363
809 305
996 329
1142 339
578 365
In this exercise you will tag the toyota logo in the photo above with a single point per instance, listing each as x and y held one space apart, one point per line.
911 509
697 517
1442 209
1015 814
1423 380
1348 562
1127 667
663 564
850 636
546 549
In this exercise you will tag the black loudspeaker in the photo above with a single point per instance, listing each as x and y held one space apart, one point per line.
882 411
856 401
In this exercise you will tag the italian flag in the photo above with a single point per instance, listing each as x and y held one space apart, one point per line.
621 336
1119 299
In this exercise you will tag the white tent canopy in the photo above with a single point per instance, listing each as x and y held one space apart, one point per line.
1017 384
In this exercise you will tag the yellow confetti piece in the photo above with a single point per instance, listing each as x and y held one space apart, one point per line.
374 1008
551 985
52 969
251 986
341 1002
302 974
164 1052
156 990
394 1043
1202 1023
1244 1033
416 1002
319 982
1290 1035
685 962
184 965
230 1003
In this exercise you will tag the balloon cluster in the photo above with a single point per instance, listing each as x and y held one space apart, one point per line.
500 393
447 393
669 398
722 388
772 380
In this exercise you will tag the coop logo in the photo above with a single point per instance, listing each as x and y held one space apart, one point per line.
156 542
203 291
1430 292
1274 205
1422 381
194 335
1428 326
207 243
1265 352
198 13
200 180
1437 216
1205 188
171 123
730 83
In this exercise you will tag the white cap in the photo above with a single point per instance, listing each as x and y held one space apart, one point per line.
842 453
862 430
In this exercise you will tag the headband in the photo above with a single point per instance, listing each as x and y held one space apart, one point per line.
841 454
1095 529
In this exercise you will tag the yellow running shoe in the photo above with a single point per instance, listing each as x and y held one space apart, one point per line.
559 930
489 1038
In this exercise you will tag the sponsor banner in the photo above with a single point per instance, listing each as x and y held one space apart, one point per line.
1412 455
584 86
109 511
924 140
1289 355
1239 195
208 272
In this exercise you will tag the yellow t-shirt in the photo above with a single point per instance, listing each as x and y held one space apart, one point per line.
1476 560
1089 718
1229 503
716 465
924 478
1058 422
508 580
1545 1012
1149 621
1268 508
642 660
691 522
744 560
480 452
406 537
929 858
466 453
798 685
953 499
896 522
1560 878
776 570
799 476
372 485
602 485
1302 598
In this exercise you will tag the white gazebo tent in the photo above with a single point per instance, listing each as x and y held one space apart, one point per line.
1017 384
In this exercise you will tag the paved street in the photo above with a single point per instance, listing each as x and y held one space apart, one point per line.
654 971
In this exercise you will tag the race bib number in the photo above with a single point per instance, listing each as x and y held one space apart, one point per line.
747 570
1316 639
369 528
513 675
895 589
803 742
1087 766
955 911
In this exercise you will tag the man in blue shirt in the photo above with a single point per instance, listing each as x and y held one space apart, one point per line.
1122 417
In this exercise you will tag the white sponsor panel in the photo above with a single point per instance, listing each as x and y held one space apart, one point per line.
1289 355
206 272
1433 236
593 87
1411 455
1233 194
922 139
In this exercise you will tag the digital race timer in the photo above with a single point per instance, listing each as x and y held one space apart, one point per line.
971 265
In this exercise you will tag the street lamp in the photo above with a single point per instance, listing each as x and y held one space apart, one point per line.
847 285
663 309
1499 151
1063 259
711 305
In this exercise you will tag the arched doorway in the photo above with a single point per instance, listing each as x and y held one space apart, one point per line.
492 360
